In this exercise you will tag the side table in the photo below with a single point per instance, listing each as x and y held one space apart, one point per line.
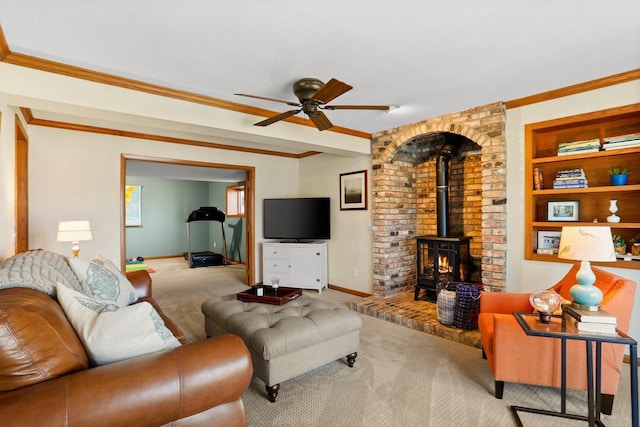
559 328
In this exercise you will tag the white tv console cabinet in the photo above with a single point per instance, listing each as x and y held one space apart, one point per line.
297 265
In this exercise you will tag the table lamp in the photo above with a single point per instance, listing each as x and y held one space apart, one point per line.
74 231
585 244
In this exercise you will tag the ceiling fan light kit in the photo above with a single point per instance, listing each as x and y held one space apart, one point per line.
313 95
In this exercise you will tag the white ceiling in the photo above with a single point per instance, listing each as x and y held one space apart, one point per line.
426 57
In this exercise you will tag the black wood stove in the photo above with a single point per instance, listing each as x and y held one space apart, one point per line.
441 258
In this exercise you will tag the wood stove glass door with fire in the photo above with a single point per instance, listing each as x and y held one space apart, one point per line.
440 259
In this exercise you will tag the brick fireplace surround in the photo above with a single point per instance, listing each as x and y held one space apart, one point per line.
404 194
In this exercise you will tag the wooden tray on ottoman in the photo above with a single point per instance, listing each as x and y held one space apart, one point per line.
270 296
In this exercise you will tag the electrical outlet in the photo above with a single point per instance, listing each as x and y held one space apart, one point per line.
354 272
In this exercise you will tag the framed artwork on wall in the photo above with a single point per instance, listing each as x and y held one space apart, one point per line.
353 190
133 205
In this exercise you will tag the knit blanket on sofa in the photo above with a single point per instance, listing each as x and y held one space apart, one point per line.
38 269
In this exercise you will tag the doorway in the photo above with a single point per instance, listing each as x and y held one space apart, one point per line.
167 168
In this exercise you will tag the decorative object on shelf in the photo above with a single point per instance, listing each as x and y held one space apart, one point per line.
548 242
585 244
353 190
568 210
613 208
545 301
74 231
619 244
635 245
619 176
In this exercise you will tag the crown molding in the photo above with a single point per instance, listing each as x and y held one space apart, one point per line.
9 57
575 89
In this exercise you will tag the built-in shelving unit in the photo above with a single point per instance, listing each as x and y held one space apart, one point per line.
542 140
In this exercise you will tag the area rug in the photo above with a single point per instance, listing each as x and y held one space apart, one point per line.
135 266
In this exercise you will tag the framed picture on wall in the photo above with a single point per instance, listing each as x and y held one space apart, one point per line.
133 206
568 210
548 242
353 190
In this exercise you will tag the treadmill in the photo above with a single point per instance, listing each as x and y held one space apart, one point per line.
207 258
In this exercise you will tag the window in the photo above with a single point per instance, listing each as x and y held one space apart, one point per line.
235 201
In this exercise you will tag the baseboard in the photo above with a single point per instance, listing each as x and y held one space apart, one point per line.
349 291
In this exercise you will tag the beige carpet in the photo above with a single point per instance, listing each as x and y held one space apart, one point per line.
402 377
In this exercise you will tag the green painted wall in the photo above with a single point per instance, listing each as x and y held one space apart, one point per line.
166 204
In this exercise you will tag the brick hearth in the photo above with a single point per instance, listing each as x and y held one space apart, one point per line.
420 315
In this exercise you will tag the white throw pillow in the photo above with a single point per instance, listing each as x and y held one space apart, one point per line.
110 333
105 282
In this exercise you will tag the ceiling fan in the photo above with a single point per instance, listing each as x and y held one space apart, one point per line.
313 95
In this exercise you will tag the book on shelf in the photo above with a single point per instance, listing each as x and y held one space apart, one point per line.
586 316
538 179
590 328
623 138
570 173
578 151
621 145
595 142
562 185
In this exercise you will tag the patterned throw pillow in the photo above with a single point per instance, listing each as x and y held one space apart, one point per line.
111 333
104 281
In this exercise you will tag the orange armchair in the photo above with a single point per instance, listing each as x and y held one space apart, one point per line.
515 357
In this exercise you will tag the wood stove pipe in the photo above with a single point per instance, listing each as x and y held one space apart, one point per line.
447 152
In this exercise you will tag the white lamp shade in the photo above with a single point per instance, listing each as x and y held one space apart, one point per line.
74 231
587 243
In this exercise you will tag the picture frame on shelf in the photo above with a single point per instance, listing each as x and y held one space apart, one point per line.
548 242
353 190
564 211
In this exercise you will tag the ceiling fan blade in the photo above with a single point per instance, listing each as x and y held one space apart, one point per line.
321 121
331 90
277 118
357 107
293 104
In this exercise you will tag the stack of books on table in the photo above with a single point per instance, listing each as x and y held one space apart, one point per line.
579 147
620 142
570 178
601 322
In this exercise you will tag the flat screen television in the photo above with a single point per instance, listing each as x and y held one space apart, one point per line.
297 219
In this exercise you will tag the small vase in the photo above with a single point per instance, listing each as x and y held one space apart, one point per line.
619 179
613 208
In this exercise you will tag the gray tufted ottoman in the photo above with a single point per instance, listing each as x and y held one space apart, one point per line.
287 340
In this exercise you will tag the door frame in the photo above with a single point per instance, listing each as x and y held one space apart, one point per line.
21 243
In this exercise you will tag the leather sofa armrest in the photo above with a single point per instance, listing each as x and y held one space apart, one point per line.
504 302
150 390
141 280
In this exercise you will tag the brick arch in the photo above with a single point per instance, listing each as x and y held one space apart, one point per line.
397 206
404 137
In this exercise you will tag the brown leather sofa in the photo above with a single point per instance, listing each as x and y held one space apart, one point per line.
45 377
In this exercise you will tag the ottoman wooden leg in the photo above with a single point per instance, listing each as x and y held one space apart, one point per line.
351 359
272 391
